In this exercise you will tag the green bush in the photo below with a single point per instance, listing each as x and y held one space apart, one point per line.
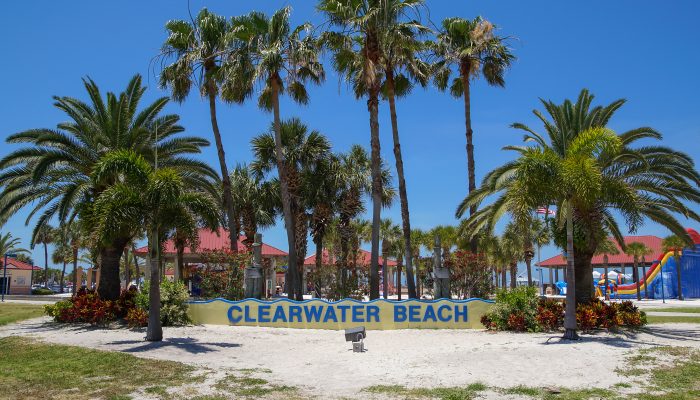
515 310
173 302
42 291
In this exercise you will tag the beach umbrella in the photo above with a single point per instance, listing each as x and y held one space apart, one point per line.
596 275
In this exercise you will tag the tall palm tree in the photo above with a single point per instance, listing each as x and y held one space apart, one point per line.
676 244
303 152
52 174
158 200
44 236
606 247
363 28
639 182
637 250
199 50
512 243
473 50
283 60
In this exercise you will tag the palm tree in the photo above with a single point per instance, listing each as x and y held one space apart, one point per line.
283 60
606 247
52 174
10 245
676 244
62 250
364 26
637 250
512 243
44 236
303 151
472 48
647 182
391 234
158 200
254 202
199 50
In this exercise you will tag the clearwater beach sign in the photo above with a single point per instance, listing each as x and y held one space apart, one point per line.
322 314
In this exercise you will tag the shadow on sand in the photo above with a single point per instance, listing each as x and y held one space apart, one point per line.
190 345
629 338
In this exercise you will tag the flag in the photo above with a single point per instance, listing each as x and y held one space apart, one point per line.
544 210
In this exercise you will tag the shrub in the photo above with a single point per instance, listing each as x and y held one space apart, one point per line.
173 303
42 291
136 317
550 314
515 310
86 306
222 274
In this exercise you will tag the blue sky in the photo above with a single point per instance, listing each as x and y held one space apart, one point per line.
642 51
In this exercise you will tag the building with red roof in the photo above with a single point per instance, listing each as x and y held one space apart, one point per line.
363 259
19 276
652 242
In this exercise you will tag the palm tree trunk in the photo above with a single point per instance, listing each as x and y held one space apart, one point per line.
75 269
292 273
372 51
179 268
110 257
63 272
399 267
513 275
154 332
405 218
635 278
46 265
677 259
136 266
471 169
503 277
225 179
570 315
605 270
584 275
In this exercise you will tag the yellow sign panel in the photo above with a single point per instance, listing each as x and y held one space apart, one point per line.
322 314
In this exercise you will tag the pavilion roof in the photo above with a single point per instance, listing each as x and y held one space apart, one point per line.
216 240
363 258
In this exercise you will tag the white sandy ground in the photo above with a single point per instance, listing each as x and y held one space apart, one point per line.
320 362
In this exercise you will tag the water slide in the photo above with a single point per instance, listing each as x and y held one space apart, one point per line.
663 267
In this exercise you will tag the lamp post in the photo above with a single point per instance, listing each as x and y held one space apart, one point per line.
4 275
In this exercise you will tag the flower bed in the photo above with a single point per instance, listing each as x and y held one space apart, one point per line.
521 310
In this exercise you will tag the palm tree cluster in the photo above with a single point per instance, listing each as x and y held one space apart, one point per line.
595 178
380 47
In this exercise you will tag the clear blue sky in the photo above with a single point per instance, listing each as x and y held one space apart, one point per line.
645 52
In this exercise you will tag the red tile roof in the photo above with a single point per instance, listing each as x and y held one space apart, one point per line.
16 264
209 240
363 258
652 242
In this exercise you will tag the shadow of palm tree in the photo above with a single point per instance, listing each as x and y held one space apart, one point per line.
189 345
628 338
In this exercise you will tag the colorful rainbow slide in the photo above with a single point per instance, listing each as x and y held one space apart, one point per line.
651 282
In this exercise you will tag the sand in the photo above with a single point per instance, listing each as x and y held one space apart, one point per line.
321 363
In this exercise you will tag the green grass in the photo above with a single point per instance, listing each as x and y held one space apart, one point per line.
451 393
251 387
691 310
14 312
34 370
653 319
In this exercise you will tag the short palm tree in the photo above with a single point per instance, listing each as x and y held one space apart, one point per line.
512 243
254 202
676 244
198 50
10 245
44 236
473 50
638 251
283 60
391 234
303 151
639 182
52 174
364 26
606 247
158 200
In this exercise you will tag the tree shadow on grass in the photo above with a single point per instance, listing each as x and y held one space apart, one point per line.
190 345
